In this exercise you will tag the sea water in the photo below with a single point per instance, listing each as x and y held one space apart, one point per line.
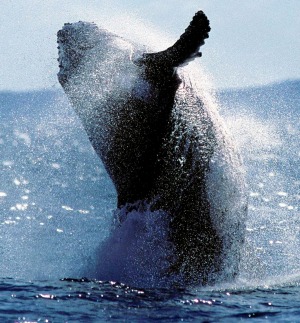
57 204
96 301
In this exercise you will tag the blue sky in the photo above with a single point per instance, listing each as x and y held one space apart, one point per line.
251 42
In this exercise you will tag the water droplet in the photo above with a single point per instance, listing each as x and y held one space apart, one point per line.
282 204
55 166
67 208
281 193
16 182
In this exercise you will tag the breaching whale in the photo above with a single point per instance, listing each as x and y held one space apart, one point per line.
161 140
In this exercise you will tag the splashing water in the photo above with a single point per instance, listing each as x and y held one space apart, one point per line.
138 250
265 122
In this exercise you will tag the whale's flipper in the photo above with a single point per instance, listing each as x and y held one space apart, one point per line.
185 49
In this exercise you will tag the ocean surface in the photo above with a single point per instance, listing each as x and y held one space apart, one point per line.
57 203
95 301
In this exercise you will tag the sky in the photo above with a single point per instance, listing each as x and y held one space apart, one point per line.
251 43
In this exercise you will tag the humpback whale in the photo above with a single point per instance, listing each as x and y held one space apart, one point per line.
161 140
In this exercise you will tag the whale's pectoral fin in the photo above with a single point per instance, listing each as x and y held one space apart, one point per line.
187 46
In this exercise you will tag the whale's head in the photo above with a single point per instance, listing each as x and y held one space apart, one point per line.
73 41
83 43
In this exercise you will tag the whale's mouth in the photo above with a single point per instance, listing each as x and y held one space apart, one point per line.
74 39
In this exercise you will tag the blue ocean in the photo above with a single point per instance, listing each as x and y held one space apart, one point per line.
57 205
